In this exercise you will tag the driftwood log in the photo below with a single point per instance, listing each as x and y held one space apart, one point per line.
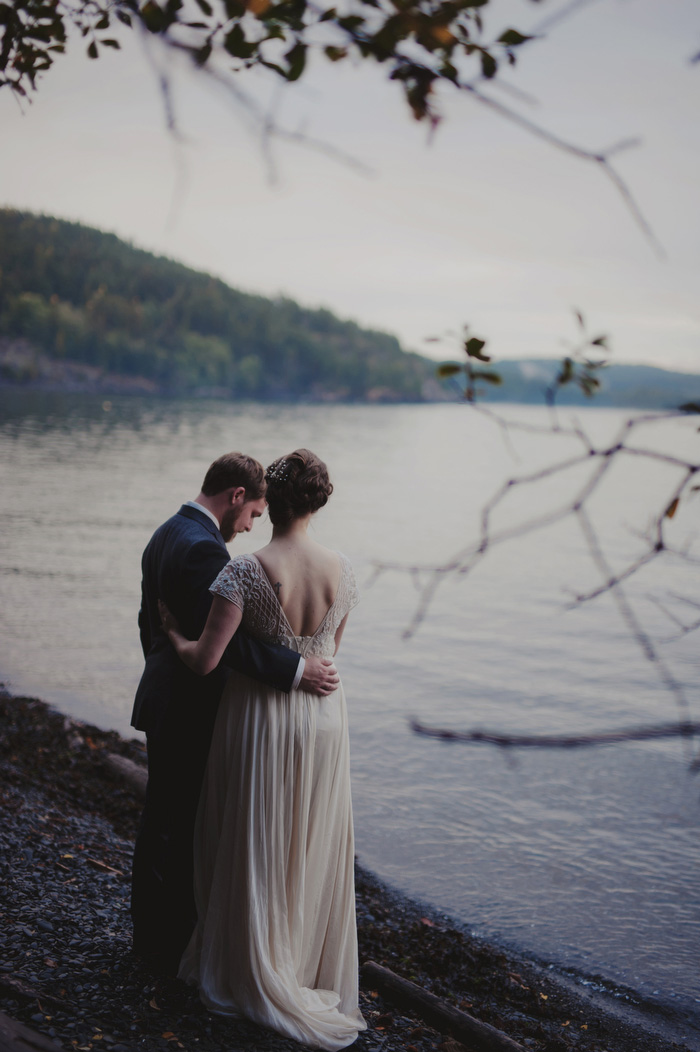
444 1017
11 986
17 1038
134 774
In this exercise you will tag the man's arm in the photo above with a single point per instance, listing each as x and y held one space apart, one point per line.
144 621
320 676
144 630
277 665
270 663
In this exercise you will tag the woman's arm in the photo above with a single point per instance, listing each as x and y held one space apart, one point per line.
204 654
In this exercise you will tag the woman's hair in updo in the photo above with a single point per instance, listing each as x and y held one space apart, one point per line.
296 485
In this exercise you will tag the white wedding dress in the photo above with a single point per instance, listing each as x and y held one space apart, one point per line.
276 940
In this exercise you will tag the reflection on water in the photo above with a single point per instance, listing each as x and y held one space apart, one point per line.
588 859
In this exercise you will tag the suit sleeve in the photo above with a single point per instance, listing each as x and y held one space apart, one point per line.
270 663
145 634
144 630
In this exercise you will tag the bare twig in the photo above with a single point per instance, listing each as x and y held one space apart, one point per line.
263 123
559 16
601 458
685 627
556 741
600 158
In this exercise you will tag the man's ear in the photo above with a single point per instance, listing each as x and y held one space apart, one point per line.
237 496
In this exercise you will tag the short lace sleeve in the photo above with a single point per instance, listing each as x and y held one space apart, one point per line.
351 594
235 581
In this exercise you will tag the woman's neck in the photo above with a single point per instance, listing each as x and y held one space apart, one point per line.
293 531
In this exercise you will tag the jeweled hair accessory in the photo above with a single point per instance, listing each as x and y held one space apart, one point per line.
278 472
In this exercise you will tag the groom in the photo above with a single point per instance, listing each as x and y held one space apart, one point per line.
176 708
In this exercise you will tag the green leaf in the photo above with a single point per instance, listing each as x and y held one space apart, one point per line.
512 38
103 23
92 50
567 372
273 66
448 369
489 66
474 347
296 57
351 22
111 43
152 17
449 72
488 375
124 17
39 33
589 385
336 53
237 45
205 7
327 15
201 55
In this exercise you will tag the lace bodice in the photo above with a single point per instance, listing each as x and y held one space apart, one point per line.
244 582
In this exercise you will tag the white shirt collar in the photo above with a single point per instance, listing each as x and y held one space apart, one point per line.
200 507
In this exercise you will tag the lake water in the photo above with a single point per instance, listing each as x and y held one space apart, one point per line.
587 859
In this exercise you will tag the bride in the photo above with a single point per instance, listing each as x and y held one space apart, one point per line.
276 940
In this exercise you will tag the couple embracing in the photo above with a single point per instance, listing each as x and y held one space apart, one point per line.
243 869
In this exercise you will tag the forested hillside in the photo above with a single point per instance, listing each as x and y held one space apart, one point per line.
81 296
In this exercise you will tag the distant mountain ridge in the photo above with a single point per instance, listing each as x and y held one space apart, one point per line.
83 310
623 386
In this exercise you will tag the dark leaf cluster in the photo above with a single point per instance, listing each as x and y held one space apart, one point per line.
421 42
474 351
581 367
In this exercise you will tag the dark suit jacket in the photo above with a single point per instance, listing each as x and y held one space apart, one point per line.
181 560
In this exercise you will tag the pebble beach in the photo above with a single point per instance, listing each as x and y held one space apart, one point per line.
67 971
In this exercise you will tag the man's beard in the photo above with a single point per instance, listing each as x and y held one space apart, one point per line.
228 524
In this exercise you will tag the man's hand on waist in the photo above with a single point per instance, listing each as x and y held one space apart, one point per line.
320 676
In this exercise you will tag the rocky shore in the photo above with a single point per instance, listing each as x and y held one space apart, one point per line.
24 365
67 971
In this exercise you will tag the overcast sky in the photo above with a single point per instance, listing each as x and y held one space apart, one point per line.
485 225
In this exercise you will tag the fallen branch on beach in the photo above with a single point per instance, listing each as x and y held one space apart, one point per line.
135 774
482 1037
554 741
17 1038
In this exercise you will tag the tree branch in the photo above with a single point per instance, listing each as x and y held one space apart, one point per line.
601 159
685 729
